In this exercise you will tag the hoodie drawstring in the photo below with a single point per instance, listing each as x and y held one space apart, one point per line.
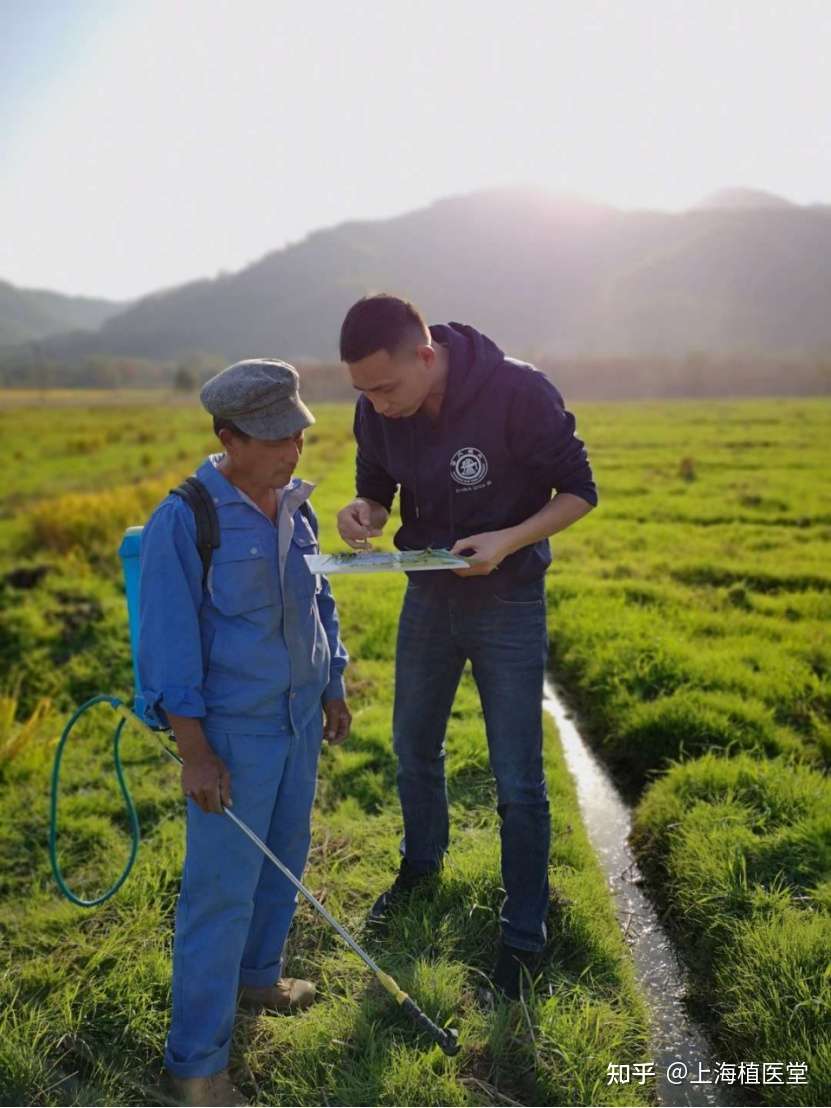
414 468
451 493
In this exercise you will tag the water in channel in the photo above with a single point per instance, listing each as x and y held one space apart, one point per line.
676 1041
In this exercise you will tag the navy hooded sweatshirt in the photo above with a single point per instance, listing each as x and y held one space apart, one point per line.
502 443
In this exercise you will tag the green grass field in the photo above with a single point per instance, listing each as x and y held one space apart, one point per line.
688 620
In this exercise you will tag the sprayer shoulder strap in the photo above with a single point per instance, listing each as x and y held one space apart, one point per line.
306 509
194 493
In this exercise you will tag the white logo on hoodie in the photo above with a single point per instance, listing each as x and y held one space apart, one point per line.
468 466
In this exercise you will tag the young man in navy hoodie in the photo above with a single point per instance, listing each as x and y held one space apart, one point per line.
476 442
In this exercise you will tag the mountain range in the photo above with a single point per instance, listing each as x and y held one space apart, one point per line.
31 314
542 273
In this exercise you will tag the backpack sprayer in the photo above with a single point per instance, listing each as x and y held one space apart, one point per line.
207 538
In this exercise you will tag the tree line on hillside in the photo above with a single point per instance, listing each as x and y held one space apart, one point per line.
698 374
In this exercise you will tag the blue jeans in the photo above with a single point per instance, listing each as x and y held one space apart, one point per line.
235 907
506 641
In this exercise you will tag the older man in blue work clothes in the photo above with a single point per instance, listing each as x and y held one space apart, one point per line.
243 671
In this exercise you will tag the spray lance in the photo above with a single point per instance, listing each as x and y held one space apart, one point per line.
135 717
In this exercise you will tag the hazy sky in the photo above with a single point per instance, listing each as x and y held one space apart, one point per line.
148 142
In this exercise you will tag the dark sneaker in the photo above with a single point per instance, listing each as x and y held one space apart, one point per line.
407 880
216 1091
514 971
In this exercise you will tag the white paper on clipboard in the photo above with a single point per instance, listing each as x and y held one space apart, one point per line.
383 561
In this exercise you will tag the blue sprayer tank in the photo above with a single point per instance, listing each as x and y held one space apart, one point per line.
129 554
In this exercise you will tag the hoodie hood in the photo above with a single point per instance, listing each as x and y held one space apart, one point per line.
474 358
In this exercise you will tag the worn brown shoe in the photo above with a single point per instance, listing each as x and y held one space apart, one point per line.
289 994
216 1091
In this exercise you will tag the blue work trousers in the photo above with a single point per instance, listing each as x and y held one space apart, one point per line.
235 907
506 640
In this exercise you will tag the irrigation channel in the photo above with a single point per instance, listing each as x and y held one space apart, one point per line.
675 1039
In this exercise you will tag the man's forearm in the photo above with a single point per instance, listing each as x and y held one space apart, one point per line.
558 514
190 738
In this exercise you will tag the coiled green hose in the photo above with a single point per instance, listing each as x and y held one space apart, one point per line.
135 833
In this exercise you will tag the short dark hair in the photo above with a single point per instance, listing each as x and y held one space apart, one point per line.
223 424
380 322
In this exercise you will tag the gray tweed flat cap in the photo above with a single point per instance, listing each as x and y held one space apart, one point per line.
261 396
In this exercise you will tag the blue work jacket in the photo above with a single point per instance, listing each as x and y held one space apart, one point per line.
260 645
